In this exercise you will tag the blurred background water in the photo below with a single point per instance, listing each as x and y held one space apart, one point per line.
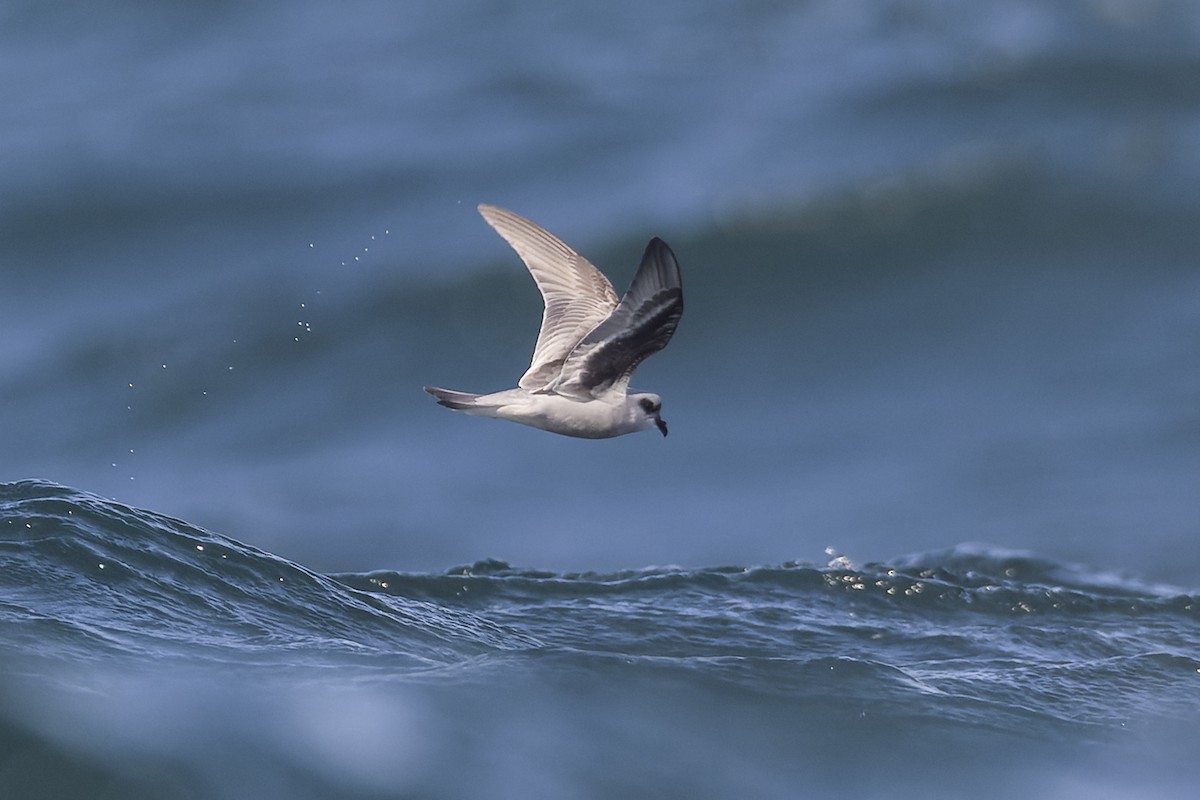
940 263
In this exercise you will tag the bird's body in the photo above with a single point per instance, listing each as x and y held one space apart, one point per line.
595 419
589 343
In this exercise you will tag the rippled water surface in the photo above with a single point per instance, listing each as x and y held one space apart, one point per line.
943 299
146 653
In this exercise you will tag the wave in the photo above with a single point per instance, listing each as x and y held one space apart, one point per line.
967 577
357 683
123 580
88 578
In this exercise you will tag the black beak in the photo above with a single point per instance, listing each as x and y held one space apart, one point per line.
662 425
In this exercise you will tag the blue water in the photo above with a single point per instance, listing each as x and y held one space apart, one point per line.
144 655
943 298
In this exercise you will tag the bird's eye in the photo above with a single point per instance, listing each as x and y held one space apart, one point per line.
648 404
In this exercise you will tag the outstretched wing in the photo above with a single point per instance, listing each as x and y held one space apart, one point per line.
641 325
577 296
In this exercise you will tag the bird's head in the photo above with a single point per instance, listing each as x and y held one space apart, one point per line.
649 406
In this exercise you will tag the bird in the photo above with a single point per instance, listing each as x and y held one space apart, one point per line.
590 342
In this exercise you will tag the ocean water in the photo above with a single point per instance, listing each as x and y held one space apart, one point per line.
927 519
147 657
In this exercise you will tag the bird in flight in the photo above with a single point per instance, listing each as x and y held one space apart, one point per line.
590 342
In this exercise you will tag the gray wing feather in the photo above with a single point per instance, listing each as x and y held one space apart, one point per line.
641 325
577 296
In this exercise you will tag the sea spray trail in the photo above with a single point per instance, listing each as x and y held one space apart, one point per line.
942 289
928 364
975 226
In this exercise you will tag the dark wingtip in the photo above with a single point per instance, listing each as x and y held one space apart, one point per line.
660 251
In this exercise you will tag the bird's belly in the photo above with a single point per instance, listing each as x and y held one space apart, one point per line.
593 420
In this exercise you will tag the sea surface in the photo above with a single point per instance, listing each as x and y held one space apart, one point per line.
145 657
928 517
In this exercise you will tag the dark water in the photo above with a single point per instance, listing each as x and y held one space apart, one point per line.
146 656
942 283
